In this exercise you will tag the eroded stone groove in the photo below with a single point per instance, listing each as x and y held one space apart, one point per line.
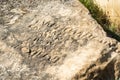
55 40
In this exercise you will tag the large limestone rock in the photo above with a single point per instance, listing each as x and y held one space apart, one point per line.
54 40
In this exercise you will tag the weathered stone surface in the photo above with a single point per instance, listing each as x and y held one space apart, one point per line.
54 40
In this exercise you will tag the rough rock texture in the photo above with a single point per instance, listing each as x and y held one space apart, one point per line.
54 40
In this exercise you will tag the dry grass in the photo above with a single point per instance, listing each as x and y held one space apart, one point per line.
102 18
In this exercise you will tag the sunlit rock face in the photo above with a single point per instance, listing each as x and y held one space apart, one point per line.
54 40
112 9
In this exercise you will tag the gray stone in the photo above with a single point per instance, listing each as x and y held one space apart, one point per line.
54 40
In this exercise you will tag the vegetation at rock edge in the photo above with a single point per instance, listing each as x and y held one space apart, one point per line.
101 17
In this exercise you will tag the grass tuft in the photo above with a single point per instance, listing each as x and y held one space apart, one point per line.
101 18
